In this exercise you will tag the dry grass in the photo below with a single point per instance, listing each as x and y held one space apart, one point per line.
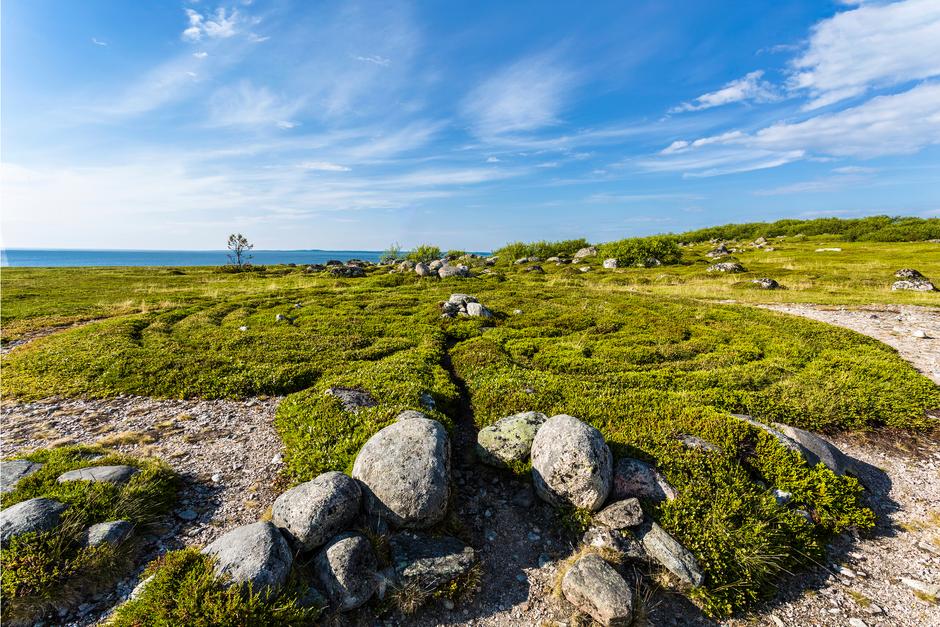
124 438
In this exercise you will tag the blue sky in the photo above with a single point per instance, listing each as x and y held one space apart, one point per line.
169 124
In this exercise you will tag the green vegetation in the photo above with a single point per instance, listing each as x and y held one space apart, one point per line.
391 254
639 251
425 253
48 569
871 229
185 591
542 250
640 353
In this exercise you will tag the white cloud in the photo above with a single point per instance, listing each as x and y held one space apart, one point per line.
525 96
219 25
873 46
244 104
885 125
493 159
202 54
323 166
98 42
749 88
374 59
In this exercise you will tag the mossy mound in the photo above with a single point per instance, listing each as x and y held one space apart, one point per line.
43 571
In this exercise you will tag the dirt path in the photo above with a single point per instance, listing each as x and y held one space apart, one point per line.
897 326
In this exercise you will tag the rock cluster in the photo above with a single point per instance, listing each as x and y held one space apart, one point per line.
464 305
587 251
720 251
730 267
912 280
349 271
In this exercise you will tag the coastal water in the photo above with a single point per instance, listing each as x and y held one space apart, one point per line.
44 258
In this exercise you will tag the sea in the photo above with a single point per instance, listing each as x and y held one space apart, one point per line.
50 258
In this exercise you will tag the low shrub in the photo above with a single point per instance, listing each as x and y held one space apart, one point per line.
424 253
542 249
637 250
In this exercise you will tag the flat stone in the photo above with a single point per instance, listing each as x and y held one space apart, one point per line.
620 515
427 561
693 442
313 512
255 554
347 569
12 471
816 449
39 514
100 474
634 478
594 587
352 399
671 554
112 532
619 541
509 440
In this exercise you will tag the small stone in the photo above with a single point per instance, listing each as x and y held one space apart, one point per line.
429 562
348 571
509 440
610 263
620 515
932 590
782 497
352 399
636 478
243 328
257 554
187 514
113 532
857 622
277 460
13 471
920 334
621 542
670 553
216 478
313 512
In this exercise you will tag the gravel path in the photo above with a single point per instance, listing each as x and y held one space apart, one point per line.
227 453
898 326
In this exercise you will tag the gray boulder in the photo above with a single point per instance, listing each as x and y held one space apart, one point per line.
313 512
594 587
255 554
620 515
408 414
730 267
112 532
12 471
618 541
38 514
673 556
815 449
610 263
352 399
346 567
453 271
912 280
571 464
429 562
405 470
509 440
349 272
422 269
719 251
435 265
587 251
100 474
635 478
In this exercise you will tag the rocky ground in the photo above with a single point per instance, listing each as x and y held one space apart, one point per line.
229 456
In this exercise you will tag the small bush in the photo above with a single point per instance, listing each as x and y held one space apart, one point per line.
636 250
391 254
541 249
425 253
185 591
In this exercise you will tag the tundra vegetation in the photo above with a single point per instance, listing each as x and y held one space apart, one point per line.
644 354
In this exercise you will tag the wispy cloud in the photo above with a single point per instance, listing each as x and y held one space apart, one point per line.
98 42
323 166
885 125
527 95
244 104
750 88
875 45
374 59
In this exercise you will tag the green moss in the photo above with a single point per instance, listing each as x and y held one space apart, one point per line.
42 571
185 591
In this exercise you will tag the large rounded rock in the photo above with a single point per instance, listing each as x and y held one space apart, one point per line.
347 569
313 512
99 474
257 554
509 440
594 587
27 516
405 470
571 464
12 471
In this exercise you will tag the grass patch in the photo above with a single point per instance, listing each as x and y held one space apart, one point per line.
43 571
185 591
